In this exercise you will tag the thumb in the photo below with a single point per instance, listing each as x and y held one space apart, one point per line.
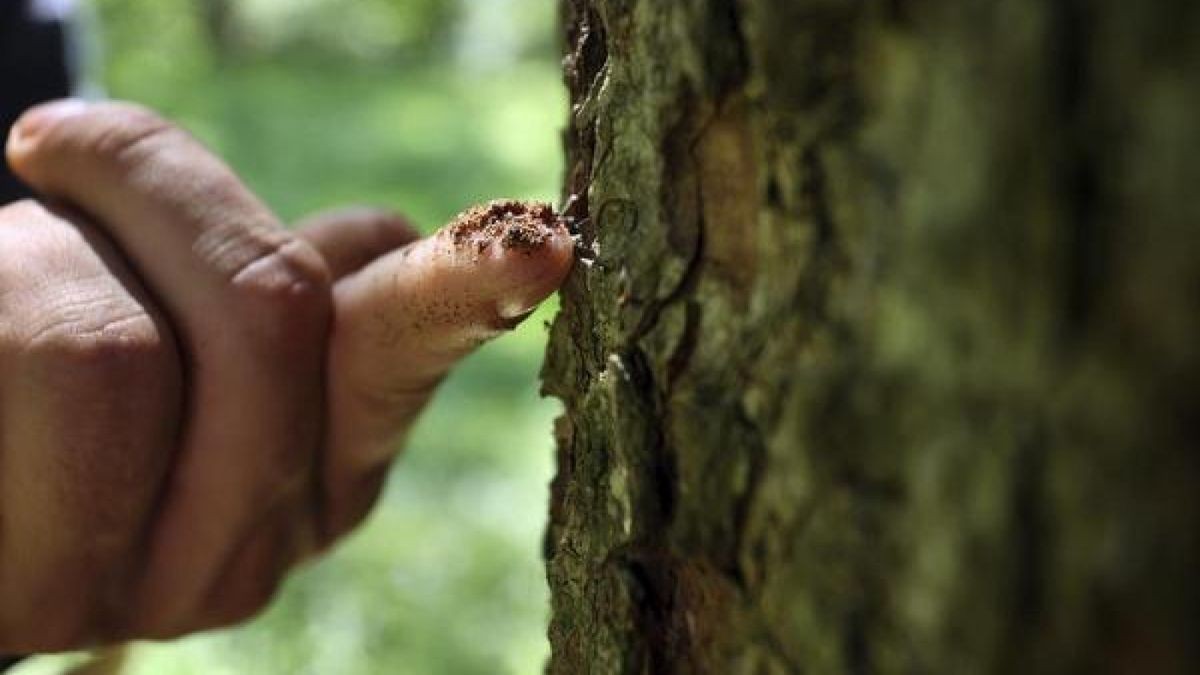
407 317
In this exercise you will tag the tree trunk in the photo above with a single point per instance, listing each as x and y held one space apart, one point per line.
884 353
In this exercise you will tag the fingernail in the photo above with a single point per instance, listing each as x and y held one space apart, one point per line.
513 318
39 118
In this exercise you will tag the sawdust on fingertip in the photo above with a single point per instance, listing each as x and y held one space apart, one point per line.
516 225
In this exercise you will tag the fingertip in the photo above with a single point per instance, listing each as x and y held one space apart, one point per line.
429 304
33 124
529 276
499 260
520 251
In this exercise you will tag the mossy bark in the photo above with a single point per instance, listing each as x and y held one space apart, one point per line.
884 351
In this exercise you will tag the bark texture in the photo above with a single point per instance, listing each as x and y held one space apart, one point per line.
885 353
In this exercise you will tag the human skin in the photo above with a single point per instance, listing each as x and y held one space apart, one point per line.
194 399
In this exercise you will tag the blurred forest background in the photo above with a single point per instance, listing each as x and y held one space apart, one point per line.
425 106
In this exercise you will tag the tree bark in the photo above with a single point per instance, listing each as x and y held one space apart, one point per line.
884 351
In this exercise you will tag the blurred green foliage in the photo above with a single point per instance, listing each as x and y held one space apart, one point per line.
426 106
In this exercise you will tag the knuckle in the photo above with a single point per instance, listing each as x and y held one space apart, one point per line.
120 351
285 288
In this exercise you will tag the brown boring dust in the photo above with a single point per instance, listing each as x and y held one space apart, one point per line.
517 225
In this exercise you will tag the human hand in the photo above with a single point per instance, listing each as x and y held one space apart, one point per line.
192 398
